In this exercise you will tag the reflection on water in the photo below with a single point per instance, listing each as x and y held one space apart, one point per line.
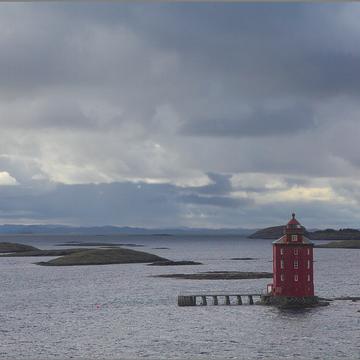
119 311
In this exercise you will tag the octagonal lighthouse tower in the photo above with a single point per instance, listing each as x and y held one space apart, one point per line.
293 278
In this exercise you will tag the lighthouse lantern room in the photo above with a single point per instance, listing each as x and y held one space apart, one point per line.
292 263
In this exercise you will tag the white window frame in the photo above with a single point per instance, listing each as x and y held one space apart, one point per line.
308 264
308 251
281 264
296 264
281 251
308 278
296 277
294 238
282 277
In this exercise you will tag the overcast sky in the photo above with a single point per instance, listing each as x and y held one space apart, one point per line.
166 115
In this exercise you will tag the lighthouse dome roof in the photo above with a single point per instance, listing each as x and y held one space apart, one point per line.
293 221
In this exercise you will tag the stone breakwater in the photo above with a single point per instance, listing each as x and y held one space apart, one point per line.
292 302
219 275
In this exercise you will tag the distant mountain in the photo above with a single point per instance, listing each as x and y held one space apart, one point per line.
112 230
273 232
276 232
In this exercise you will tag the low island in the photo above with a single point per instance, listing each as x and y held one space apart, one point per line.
344 244
81 256
89 256
103 257
8 247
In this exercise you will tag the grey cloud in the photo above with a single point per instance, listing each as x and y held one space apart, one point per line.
24 171
160 205
296 181
221 201
62 114
261 122
117 203
266 55
348 189
217 193
123 203
220 184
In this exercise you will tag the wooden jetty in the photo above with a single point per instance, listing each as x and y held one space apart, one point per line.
217 299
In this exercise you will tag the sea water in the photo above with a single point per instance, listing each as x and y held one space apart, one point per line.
122 312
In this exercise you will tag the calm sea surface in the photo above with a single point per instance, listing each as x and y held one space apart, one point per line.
121 312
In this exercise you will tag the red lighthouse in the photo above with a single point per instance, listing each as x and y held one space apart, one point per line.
293 278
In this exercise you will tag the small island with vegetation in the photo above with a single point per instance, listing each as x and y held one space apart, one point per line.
8 247
80 256
104 255
344 244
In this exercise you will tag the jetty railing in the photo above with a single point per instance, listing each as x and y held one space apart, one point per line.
217 299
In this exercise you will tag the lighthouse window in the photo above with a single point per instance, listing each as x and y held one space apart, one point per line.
281 251
282 277
296 251
296 264
281 264
308 264
296 277
293 237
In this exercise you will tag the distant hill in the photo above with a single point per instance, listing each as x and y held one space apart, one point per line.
331 234
276 232
114 230
273 232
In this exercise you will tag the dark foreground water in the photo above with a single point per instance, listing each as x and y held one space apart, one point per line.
120 312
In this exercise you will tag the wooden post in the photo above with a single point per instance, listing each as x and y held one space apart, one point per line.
251 301
215 300
204 302
239 301
227 300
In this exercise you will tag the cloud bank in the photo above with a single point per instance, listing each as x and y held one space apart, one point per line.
179 114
